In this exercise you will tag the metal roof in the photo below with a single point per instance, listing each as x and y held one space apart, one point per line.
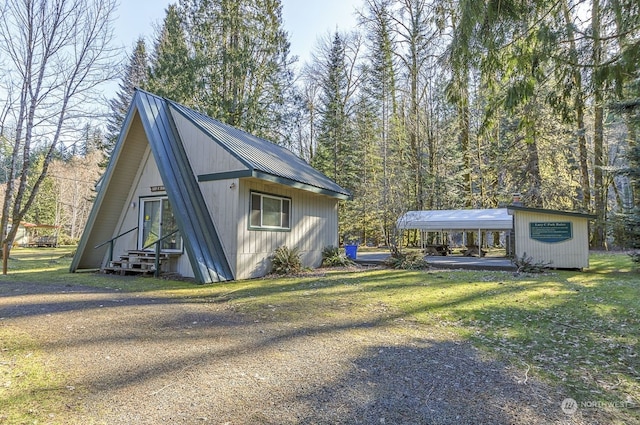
201 239
552 212
207 257
265 159
472 219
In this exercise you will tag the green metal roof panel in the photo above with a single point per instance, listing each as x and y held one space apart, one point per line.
554 212
263 156
202 242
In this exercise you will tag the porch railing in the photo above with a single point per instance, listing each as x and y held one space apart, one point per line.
112 240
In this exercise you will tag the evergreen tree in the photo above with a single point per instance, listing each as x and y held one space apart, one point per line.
364 214
334 151
337 152
333 121
380 86
172 72
241 57
629 109
44 209
135 75
414 34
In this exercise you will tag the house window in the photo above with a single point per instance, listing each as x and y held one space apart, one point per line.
269 212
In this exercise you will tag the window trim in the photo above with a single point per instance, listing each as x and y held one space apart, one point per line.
261 226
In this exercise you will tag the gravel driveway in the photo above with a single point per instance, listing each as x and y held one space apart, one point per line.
135 359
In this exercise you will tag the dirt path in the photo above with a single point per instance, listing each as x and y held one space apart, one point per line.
131 359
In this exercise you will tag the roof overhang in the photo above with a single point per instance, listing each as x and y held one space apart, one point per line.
512 208
471 219
275 179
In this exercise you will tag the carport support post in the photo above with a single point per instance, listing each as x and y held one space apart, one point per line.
479 243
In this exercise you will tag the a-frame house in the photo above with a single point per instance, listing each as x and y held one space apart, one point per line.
219 200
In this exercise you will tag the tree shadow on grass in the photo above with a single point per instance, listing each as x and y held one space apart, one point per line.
214 359
432 383
429 382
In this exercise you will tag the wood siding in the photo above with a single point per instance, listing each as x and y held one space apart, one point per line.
570 254
148 176
314 225
205 155
314 218
222 197
115 198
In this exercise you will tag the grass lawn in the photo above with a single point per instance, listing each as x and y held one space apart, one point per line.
575 329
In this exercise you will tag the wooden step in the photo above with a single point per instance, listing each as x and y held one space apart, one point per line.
138 262
124 271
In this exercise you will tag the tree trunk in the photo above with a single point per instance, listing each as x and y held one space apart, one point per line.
578 105
598 134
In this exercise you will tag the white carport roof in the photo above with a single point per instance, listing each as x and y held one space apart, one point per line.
476 219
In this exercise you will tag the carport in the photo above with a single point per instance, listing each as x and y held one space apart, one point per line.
443 222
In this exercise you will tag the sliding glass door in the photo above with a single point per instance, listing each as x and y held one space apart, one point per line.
156 221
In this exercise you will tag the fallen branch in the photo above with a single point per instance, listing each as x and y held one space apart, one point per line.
566 325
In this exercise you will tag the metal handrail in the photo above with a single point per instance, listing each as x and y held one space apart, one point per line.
161 239
110 242
156 264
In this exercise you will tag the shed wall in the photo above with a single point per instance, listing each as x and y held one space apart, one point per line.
570 254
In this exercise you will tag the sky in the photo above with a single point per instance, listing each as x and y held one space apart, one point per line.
304 20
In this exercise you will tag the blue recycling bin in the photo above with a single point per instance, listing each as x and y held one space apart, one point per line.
351 251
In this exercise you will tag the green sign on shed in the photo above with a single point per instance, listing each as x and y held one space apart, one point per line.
550 231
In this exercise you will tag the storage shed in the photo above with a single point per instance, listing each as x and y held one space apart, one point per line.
558 238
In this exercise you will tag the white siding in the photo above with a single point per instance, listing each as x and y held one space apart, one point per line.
314 225
205 155
115 197
570 254
148 175
221 197
314 218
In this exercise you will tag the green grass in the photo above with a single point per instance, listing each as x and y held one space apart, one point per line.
575 329
29 390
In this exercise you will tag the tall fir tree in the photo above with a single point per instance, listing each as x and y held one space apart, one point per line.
172 71
241 57
135 75
380 87
334 125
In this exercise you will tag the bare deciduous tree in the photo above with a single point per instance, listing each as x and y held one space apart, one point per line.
55 55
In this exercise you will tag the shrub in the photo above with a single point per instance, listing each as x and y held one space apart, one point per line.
332 256
66 240
526 264
406 260
286 261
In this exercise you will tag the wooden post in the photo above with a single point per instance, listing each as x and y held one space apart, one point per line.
5 257
156 272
